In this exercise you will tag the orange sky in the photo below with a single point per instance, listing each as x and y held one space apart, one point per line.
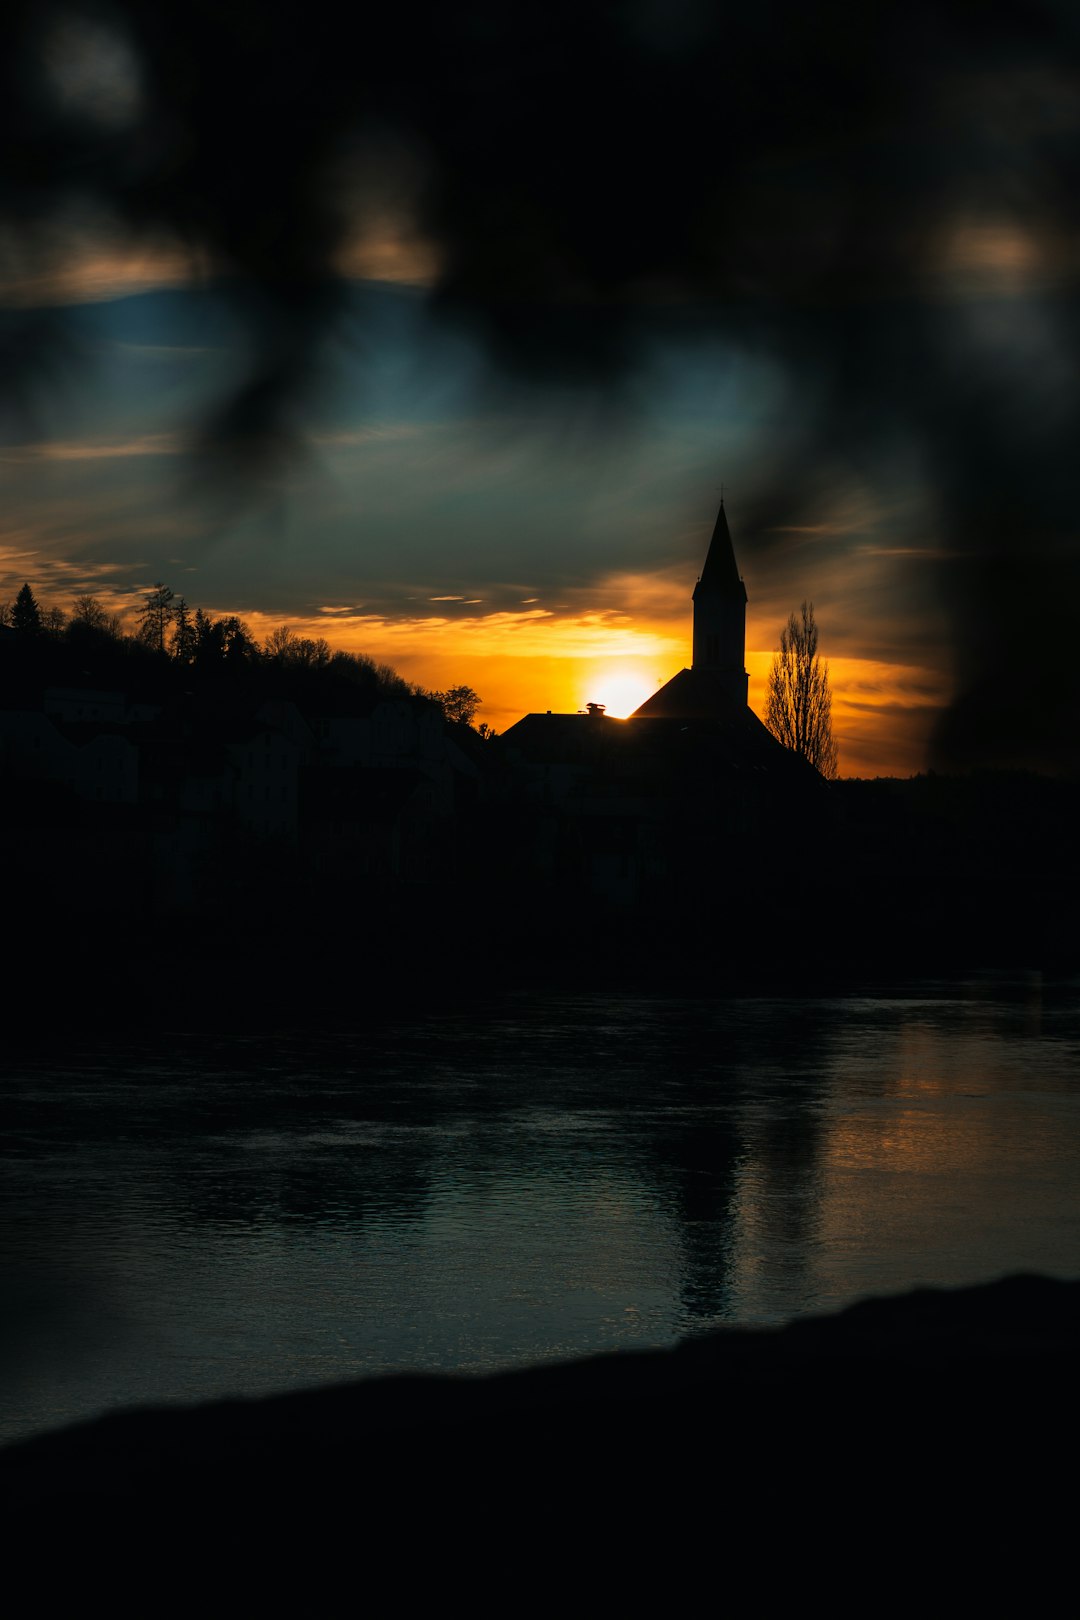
539 659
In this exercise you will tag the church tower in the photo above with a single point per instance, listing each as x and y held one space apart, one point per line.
720 616
716 686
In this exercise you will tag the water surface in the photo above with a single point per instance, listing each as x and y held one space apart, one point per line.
538 1177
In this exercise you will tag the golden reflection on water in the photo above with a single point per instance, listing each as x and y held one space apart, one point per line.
934 1161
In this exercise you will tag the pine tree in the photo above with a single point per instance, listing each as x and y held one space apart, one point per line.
25 613
156 616
238 644
185 638
209 640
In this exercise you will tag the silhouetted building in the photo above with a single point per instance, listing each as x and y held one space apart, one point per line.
712 693
89 706
93 764
648 810
716 685
366 824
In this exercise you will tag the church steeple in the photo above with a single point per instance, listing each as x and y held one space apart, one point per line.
720 571
720 614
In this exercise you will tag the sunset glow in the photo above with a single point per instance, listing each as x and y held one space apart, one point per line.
620 690
535 658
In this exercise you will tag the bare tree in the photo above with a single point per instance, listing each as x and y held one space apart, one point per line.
798 707
87 613
459 704
309 652
278 643
302 652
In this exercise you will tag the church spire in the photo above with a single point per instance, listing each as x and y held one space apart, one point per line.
720 613
720 571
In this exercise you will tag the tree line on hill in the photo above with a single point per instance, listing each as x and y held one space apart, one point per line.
169 635
798 710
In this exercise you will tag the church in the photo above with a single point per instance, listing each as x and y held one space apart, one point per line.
646 812
711 695
716 685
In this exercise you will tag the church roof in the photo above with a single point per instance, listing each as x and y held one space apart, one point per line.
720 573
697 694
549 739
662 752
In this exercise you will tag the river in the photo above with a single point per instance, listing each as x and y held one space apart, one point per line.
190 1216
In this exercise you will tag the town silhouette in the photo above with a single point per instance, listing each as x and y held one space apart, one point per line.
231 807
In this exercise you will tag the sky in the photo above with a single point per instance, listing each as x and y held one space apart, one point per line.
495 390
515 550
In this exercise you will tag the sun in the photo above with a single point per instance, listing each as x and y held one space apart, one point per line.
620 690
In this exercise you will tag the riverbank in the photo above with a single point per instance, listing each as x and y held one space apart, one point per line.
877 1442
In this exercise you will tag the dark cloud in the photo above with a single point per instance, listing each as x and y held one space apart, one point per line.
795 179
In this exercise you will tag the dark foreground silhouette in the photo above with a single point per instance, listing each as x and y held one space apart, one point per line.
920 1446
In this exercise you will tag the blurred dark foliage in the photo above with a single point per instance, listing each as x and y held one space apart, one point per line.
783 175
